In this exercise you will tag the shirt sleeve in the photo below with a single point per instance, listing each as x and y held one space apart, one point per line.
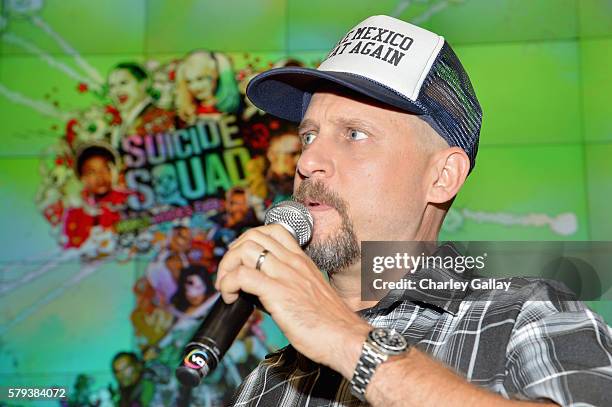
560 351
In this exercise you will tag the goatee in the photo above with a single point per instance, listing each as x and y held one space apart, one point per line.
339 250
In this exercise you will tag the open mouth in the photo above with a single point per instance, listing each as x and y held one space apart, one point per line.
315 205
122 98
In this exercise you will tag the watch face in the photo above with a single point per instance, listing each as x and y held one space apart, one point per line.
389 339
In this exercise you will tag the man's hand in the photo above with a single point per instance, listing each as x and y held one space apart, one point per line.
291 288
323 328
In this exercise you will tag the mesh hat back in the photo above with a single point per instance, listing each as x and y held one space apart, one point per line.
450 103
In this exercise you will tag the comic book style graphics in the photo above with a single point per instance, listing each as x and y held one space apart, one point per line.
167 141
169 167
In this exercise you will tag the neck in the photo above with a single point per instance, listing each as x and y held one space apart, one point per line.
347 284
430 224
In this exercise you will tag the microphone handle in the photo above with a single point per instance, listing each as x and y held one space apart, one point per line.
213 338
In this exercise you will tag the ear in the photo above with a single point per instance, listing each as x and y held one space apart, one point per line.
447 174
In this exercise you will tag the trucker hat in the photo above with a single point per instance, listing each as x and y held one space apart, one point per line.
393 62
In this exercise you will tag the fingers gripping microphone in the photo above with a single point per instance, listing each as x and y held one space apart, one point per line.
222 325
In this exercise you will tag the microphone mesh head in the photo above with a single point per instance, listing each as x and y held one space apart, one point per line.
294 216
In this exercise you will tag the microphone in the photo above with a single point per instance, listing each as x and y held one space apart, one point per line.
222 325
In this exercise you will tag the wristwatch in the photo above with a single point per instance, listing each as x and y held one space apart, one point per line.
378 346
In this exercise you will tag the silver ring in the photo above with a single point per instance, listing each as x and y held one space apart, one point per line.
261 258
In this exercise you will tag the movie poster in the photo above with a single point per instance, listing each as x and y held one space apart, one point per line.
170 166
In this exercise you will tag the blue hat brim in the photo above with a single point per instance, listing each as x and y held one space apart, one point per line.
285 92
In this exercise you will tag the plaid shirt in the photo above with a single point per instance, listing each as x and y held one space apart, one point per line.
532 342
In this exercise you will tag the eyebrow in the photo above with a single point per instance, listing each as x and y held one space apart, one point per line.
356 122
340 122
306 124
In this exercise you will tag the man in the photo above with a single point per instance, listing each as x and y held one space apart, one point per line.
238 214
270 176
390 126
283 154
128 89
135 390
102 199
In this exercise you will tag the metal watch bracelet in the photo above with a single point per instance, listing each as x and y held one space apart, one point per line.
369 360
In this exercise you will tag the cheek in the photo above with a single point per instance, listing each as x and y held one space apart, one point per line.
140 89
89 180
360 188
296 181
383 200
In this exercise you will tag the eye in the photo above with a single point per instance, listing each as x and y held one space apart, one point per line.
357 135
308 138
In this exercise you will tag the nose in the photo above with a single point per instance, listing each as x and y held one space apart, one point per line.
316 160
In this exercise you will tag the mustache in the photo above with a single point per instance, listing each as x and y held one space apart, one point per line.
317 191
